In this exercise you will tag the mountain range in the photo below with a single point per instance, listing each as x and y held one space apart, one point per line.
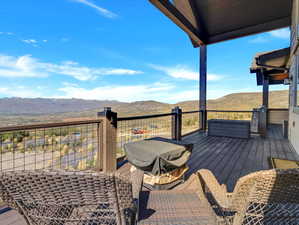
15 111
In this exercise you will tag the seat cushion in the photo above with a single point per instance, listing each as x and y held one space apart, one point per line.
173 208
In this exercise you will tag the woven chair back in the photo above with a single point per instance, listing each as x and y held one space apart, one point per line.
272 199
49 197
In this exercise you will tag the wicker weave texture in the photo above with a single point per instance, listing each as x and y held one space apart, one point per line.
261 198
56 198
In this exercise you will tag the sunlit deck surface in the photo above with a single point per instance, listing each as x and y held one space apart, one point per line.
228 158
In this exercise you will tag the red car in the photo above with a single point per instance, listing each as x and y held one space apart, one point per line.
138 131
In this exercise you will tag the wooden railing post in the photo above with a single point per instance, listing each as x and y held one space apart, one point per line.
108 137
176 125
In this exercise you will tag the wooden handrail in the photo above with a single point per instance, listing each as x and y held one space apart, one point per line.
48 125
279 109
231 111
144 117
190 112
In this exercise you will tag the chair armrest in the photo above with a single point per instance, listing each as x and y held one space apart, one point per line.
137 183
210 184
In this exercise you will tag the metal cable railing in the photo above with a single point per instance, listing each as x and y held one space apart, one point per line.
229 115
76 145
69 145
190 122
131 129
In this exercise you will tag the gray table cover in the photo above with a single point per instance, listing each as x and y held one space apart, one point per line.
158 155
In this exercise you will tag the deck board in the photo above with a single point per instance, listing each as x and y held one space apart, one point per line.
228 158
231 158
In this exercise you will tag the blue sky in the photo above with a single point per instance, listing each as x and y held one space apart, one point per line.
116 50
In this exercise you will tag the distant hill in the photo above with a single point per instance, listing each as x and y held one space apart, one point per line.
34 106
26 110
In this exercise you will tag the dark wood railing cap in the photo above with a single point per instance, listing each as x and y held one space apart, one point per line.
49 125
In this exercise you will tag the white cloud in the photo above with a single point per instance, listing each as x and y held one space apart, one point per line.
180 96
30 41
34 42
102 11
259 39
281 33
21 92
163 92
7 33
124 93
64 39
24 66
267 37
27 66
183 72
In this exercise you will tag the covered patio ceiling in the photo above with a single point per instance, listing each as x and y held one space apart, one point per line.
212 21
271 65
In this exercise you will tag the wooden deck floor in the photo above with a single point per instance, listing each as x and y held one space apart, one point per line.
228 158
231 158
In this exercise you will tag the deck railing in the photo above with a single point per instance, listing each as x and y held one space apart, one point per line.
66 145
169 125
131 129
229 114
95 144
191 121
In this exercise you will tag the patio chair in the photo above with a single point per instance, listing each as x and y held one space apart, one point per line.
265 197
69 198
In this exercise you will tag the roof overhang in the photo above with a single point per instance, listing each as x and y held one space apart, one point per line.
212 21
271 65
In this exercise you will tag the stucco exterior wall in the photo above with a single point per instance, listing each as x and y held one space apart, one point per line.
294 73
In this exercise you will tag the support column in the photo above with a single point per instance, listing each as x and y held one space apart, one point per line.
266 98
203 86
266 92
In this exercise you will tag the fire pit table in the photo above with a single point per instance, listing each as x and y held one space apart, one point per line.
162 160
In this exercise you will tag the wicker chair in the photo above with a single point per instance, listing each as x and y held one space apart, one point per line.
69 198
265 197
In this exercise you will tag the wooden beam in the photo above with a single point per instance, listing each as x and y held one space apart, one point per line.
203 86
203 32
249 30
280 76
169 10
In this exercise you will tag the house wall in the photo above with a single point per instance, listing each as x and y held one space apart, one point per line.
294 71
294 130
294 112
276 116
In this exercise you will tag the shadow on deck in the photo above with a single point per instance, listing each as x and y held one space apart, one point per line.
228 158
